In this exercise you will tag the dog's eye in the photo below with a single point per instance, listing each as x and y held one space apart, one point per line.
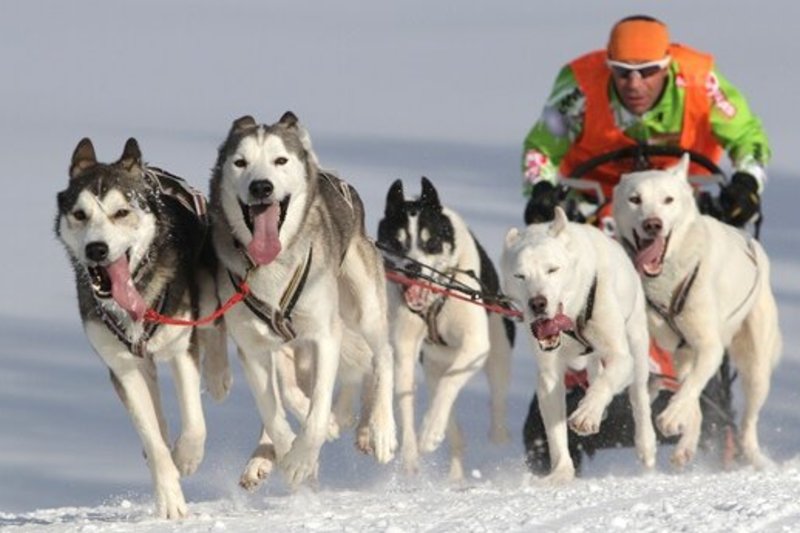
241 163
281 161
519 276
635 200
121 213
668 200
552 270
79 215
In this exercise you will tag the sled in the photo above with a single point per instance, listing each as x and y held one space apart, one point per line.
584 201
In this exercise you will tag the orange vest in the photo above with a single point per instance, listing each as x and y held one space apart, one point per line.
601 135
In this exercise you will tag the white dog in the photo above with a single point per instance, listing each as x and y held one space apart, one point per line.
708 289
586 310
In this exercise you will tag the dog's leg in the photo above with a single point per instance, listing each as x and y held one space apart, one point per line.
755 350
189 448
300 462
455 440
552 401
406 338
133 386
698 364
148 367
261 376
343 408
213 340
363 434
470 357
260 465
498 373
644 433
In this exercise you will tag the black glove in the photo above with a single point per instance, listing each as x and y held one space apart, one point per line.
739 200
542 204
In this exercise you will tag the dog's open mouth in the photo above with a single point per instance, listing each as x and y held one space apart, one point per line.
548 330
417 298
114 280
264 222
650 254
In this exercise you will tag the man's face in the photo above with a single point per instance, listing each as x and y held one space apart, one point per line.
639 89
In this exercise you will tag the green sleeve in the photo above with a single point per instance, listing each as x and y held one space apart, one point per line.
551 136
736 128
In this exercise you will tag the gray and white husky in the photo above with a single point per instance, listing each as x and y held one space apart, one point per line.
296 235
453 338
137 241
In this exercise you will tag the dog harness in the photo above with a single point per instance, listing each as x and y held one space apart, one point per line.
580 324
138 347
279 319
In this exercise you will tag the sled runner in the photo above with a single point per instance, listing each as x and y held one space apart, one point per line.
584 201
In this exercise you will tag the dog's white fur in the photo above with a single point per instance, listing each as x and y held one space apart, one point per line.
336 295
559 262
730 305
474 339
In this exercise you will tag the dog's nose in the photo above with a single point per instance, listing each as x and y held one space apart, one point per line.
97 251
538 305
261 189
652 226
413 269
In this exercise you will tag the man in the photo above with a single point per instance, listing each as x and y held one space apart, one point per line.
643 90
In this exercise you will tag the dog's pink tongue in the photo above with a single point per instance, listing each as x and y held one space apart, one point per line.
648 260
549 327
123 290
265 246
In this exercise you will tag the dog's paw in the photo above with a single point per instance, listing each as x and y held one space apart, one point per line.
586 418
334 430
559 476
676 417
170 503
257 469
681 457
300 463
383 440
218 384
188 453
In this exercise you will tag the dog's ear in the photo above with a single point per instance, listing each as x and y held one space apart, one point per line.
559 223
682 168
512 236
394 198
131 155
243 123
82 158
289 119
429 196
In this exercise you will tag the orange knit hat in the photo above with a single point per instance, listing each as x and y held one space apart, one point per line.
638 38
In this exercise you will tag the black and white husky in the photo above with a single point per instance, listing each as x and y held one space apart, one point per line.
137 241
296 235
455 338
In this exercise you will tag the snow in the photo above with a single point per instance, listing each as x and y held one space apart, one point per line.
387 91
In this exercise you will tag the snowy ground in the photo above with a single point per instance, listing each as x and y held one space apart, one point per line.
387 91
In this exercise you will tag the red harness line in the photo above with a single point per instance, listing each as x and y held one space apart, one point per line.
403 280
151 315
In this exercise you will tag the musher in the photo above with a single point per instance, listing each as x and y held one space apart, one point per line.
642 89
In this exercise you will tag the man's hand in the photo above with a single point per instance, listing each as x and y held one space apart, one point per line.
739 200
542 203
